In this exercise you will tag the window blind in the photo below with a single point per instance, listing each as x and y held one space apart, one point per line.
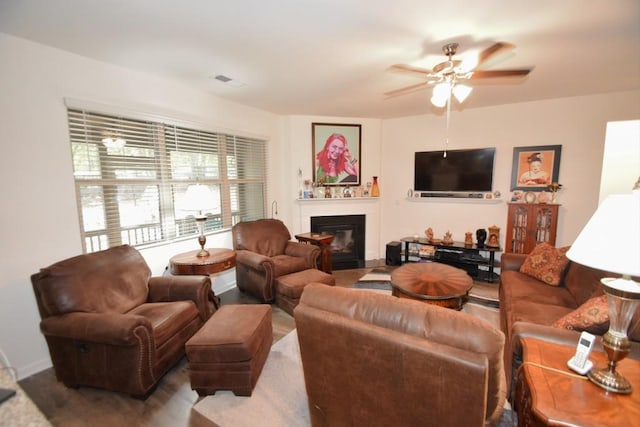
134 193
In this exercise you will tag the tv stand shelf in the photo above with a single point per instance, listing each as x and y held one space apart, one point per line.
479 263
453 200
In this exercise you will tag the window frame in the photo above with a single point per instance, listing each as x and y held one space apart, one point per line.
250 153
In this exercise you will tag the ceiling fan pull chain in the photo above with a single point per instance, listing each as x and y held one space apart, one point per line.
446 139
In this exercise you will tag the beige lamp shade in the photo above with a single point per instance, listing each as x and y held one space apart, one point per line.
199 198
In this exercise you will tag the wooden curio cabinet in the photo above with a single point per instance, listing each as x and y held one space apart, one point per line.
529 224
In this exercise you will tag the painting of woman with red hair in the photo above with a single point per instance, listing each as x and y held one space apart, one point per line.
335 163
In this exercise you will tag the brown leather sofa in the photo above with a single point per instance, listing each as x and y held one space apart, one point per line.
375 360
264 252
109 324
528 307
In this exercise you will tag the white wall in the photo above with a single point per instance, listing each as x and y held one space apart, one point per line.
578 124
621 162
38 220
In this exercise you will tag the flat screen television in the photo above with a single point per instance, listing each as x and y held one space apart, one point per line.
469 170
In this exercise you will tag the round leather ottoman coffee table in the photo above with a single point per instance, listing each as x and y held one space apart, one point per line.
433 283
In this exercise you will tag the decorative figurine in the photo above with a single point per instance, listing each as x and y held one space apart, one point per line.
468 240
481 236
367 191
448 238
543 197
494 237
429 233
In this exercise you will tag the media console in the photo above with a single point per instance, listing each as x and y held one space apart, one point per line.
479 263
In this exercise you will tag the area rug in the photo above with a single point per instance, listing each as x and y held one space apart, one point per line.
278 400
375 279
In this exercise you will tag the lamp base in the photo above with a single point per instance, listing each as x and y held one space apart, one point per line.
202 239
610 381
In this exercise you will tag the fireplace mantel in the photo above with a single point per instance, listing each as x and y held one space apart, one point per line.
367 206
338 199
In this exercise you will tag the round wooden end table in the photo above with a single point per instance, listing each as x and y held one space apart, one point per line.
188 263
433 283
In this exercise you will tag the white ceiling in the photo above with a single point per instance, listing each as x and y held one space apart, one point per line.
331 57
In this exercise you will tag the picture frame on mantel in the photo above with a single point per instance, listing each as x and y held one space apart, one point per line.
535 167
336 151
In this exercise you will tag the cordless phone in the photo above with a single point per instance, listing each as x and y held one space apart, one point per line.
580 361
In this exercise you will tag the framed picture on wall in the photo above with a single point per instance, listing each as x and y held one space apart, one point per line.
336 153
534 168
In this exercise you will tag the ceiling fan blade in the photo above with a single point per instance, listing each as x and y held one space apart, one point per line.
493 50
410 69
406 89
488 74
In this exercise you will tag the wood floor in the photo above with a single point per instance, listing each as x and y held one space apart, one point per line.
169 405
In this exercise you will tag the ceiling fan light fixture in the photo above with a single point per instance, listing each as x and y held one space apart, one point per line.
441 90
461 92
438 102
441 93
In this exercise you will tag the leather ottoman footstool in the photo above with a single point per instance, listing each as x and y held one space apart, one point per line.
229 351
290 286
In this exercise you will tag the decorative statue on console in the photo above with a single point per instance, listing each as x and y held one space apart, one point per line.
448 238
468 240
494 237
481 236
429 233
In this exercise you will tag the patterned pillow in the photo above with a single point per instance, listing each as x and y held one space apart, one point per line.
592 316
546 263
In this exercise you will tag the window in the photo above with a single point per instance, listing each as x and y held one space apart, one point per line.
131 189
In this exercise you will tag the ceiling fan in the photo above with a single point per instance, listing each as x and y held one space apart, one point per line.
449 75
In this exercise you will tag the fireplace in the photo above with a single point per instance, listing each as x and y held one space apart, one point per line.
347 248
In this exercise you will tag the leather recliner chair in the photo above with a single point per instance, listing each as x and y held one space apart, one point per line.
264 252
109 324
376 360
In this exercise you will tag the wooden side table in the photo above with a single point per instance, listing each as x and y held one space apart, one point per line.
323 240
545 396
189 263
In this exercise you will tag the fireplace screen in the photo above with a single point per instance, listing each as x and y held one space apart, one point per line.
347 248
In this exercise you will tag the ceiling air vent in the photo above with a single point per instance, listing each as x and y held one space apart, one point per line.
228 80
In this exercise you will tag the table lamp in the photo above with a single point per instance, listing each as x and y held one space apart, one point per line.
611 241
199 198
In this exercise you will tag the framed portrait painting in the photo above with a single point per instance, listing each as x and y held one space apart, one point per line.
336 153
534 168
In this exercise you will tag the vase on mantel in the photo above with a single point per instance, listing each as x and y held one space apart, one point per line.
375 188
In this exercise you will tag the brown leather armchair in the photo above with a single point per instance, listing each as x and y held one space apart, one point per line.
376 360
264 252
109 324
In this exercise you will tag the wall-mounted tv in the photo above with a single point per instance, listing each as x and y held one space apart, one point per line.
461 171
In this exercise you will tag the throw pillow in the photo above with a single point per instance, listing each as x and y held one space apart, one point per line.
592 316
546 263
